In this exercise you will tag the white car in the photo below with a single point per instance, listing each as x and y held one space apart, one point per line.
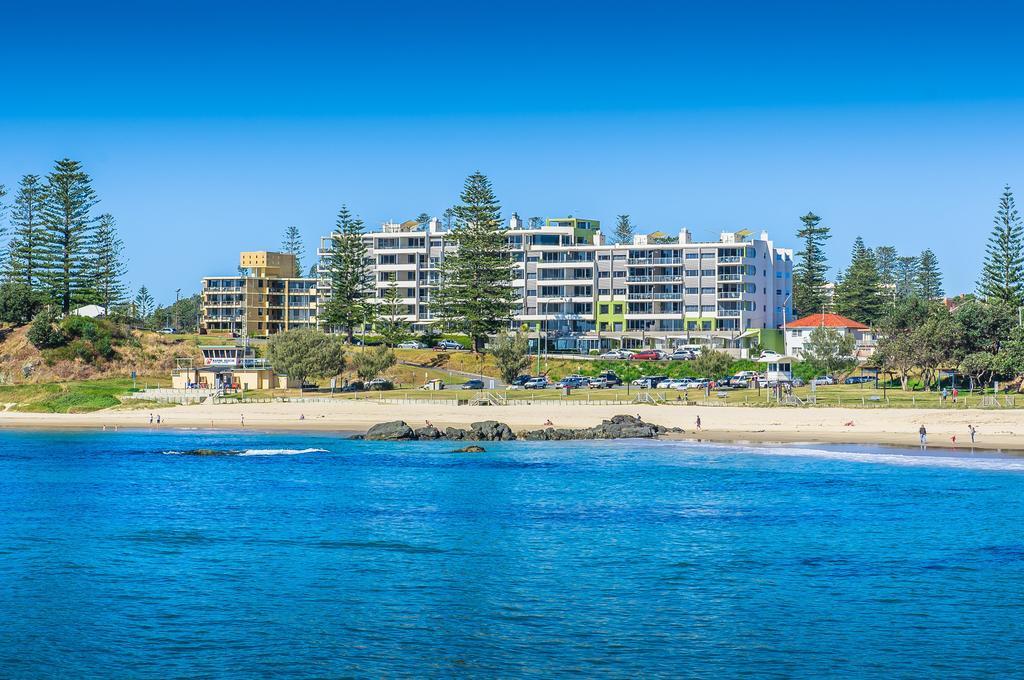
167 331
535 384
671 383
411 344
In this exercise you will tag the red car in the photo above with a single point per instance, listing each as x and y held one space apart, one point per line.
647 355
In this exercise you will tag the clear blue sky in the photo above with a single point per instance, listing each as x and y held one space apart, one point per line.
210 126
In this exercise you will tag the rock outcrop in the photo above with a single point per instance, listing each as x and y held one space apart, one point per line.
391 431
472 448
618 427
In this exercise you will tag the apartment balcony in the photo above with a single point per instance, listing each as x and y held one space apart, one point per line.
729 295
728 312
654 260
654 279
216 290
730 277
563 263
654 296
729 259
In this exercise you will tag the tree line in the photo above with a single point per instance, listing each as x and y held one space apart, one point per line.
57 250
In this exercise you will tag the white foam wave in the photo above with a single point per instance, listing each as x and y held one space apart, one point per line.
979 462
257 452
279 452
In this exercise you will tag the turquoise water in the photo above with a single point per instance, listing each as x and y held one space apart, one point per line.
595 559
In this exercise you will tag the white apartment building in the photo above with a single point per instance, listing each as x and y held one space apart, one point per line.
580 292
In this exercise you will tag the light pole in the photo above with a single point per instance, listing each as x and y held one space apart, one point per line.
177 320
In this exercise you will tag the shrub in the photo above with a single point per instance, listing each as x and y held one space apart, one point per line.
18 303
44 332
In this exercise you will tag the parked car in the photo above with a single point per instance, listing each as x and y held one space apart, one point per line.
380 384
743 379
411 344
695 384
611 378
536 383
647 355
598 383
473 384
448 344
770 354
858 380
671 383
616 354
573 381
682 355
521 380
167 330
354 386
824 380
649 381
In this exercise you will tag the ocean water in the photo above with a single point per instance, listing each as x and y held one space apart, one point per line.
315 556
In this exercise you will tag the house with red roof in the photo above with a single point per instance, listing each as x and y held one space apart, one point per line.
797 333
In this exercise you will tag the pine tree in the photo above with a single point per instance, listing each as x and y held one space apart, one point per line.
906 276
143 304
423 220
623 230
26 249
535 222
475 293
929 276
859 294
448 218
66 266
108 263
348 273
809 274
392 326
1002 274
885 261
292 244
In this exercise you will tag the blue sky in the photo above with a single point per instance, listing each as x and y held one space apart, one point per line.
209 127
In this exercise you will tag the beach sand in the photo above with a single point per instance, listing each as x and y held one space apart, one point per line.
996 429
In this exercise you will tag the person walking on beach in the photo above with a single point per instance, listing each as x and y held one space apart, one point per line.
972 431
923 434
150 418
242 418
698 422
157 418
955 393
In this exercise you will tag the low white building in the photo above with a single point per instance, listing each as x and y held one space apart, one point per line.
91 311
798 332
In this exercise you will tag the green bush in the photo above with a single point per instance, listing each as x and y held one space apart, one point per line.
44 332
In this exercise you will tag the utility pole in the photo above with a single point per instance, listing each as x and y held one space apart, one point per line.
177 320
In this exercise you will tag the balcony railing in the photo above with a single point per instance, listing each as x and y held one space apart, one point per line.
654 260
653 279
730 277
654 296
728 259
729 312
729 295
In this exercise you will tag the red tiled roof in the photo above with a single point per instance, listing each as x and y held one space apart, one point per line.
828 320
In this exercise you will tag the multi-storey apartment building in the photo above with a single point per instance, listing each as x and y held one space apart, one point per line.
264 298
579 291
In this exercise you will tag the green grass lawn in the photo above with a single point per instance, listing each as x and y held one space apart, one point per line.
80 396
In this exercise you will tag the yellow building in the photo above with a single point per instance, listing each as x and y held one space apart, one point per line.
268 298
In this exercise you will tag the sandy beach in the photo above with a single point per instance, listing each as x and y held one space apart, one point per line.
996 429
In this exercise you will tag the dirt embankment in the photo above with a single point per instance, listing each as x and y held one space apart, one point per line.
147 353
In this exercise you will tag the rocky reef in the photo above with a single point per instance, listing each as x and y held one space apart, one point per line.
618 427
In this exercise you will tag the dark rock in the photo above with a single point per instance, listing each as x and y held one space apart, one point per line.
210 452
472 448
392 431
428 432
456 433
535 435
492 431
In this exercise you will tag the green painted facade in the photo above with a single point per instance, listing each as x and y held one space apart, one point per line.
614 312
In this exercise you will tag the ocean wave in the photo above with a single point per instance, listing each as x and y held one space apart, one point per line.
245 452
279 452
904 459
